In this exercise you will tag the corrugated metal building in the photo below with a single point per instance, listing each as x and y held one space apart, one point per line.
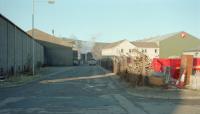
174 44
16 49
57 52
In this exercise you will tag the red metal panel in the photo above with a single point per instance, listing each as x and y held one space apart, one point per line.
159 64
175 67
196 63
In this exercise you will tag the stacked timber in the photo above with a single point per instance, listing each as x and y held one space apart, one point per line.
139 65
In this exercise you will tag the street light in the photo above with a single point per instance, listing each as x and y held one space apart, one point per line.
51 1
33 45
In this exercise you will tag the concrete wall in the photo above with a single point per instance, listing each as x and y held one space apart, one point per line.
16 49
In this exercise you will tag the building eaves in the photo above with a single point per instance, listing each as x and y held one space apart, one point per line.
195 49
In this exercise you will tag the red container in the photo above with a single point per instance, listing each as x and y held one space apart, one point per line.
159 64
196 63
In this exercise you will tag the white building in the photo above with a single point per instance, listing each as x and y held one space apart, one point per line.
120 48
126 48
194 51
151 49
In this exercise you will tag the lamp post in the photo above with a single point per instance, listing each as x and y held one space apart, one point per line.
33 55
33 42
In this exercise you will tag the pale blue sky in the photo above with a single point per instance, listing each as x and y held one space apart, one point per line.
107 20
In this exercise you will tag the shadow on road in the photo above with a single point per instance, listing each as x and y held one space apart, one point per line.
91 90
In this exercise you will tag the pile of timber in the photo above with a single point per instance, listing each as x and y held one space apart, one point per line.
139 65
133 69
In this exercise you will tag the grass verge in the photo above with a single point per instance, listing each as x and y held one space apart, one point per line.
17 80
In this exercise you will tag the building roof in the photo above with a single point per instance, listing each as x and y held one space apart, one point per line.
159 38
195 49
45 37
111 45
145 44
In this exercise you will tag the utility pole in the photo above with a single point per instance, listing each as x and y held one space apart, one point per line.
33 42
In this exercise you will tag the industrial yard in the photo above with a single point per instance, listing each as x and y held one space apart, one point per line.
99 57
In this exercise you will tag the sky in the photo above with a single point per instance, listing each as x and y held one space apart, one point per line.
106 20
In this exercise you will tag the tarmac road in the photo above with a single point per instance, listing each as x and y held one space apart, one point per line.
85 90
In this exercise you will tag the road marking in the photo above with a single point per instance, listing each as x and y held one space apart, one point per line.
127 105
77 78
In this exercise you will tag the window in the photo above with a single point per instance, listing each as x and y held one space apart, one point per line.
155 50
196 54
122 50
145 50
129 50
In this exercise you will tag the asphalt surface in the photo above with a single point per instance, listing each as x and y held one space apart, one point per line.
85 90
